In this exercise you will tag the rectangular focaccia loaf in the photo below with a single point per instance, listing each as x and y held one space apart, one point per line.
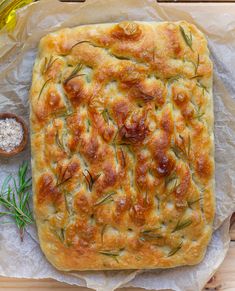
122 146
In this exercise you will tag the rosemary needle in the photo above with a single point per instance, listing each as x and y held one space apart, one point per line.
14 197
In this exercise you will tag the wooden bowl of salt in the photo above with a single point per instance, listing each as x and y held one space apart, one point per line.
13 134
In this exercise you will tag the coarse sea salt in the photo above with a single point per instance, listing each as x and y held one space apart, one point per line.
11 134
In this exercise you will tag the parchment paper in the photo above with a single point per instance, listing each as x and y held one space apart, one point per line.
17 53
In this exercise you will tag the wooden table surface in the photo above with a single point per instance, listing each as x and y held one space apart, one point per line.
224 279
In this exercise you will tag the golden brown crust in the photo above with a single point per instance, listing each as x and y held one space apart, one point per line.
122 146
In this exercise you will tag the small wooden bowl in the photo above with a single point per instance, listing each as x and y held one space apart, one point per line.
24 141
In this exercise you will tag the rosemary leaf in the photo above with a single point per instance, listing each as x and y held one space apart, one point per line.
197 65
14 197
102 232
74 73
48 64
59 143
150 236
112 254
173 79
187 38
90 179
203 87
189 146
60 234
182 225
80 42
63 181
175 250
105 115
107 198
44 85
190 203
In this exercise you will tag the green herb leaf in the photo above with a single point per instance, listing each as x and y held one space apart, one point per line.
74 73
150 236
197 64
199 114
182 152
187 38
14 197
90 180
44 85
190 203
59 143
173 79
105 115
106 199
111 253
203 87
175 250
60 234
171 182
182 225
48 64
102 232
80 42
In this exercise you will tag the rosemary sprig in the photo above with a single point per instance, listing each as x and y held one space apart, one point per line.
197 64
90 179
123 158
203 87
48 64
58 141
173 79
182 225
171 182
102 233
61 180
80 42
187 38
190 203
60 234
175 250
105 199
112 254
14 197
182 152
105 115
150 234
44 85
74 73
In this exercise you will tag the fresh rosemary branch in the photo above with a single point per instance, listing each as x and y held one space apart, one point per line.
74 73
105 115
80 42
203 87
150 235
175 250
182 225
112 254
187 38
90 179
43 86
190 203
197 65
105 199
48 64
14 197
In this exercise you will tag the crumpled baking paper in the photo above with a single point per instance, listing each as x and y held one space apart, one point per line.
17 54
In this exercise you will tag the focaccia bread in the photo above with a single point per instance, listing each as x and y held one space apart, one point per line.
122 146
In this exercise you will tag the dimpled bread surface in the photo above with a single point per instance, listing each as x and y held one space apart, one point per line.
122 146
